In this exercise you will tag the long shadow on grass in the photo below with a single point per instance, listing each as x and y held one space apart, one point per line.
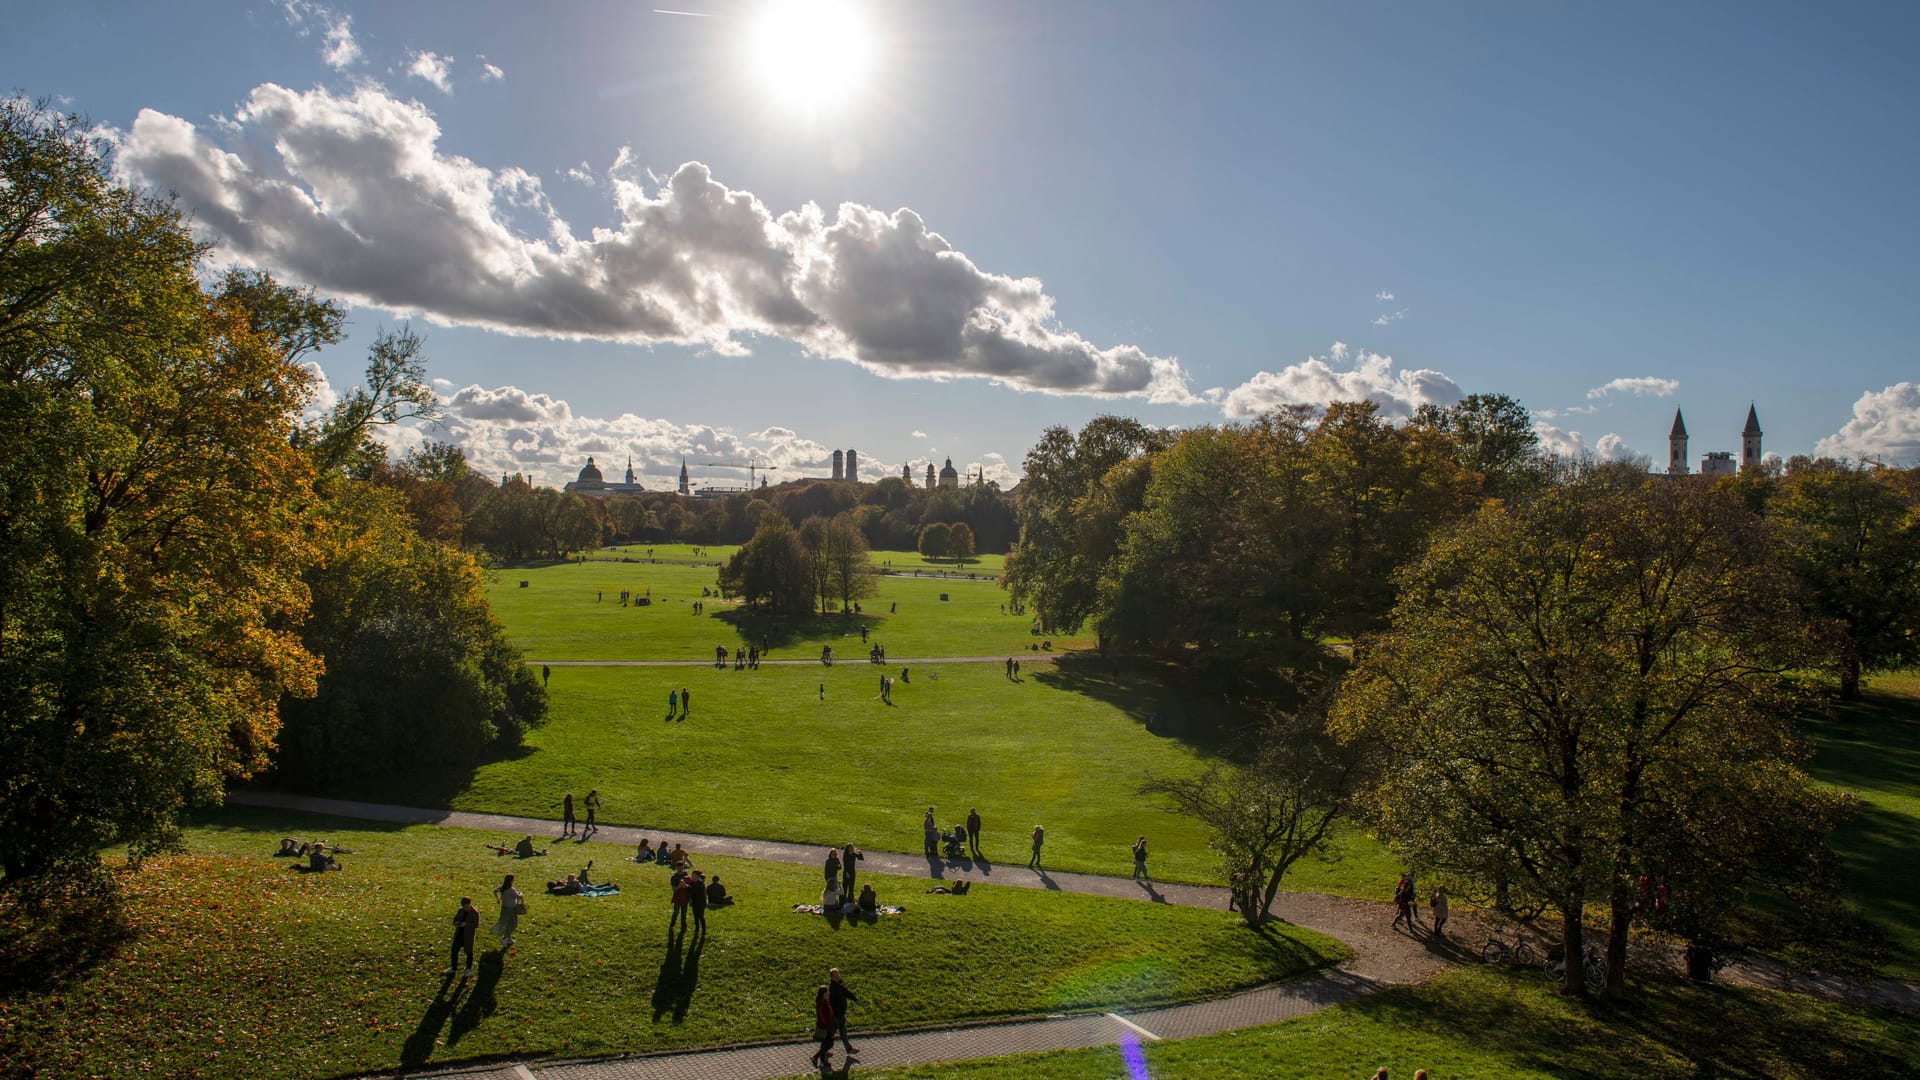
1168 702
482 1002
48 941
679 975
1873 743
419 1045
784 631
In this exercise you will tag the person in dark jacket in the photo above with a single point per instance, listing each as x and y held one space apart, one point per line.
839 996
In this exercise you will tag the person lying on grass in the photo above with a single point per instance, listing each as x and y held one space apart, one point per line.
318 859
569 887
522 850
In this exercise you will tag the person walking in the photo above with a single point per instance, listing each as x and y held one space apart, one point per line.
973 833
1439 905
545 674
838 995
930 832
512 905
593 810
466 924
848 856
567 822
1009 668
823 1026
1140 859
697 899
1039 837
1402 915
686 702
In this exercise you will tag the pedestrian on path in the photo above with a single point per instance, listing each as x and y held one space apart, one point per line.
838 995
593 809
1439 905
567 823
1402 914
973 833
1039 837
466 924
511 905
1140 859
823 1027
686 702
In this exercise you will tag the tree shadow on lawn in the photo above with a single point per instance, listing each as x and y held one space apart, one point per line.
431 784
753 625
1169 701
50 940
1872 743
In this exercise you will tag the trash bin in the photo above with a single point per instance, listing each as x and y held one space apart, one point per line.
943 596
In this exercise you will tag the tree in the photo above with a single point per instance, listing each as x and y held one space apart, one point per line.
772 569
1494 436
1563 674
934 539
848 565
960 541
396 389
151 539
1271 813
1852 535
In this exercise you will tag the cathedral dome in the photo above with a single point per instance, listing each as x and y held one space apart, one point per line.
591 472
950 470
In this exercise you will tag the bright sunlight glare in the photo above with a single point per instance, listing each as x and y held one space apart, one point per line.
812 55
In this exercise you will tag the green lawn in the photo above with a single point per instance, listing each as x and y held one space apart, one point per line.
241 967
572 611
1872 748
1490 1025
764 756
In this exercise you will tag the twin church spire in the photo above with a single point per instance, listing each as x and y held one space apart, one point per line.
1717 462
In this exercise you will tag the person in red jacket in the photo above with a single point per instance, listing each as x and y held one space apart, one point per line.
823 1026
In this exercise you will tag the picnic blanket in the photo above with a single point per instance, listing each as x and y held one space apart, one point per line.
596 889
816 909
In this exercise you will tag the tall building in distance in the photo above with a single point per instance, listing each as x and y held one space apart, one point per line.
1750 440
839 465
949 476
685 488
853 466
906 474
1677 447
1715 462
930 480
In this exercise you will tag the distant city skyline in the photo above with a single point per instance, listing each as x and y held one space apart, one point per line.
929 231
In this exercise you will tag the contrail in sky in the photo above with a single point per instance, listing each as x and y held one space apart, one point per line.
695 14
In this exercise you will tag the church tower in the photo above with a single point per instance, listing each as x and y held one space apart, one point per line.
1750 440
930 480
839 465
684 488
853 466
630 469
1677 447
906 474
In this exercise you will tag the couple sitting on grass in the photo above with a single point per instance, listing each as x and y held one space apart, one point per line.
522 850
830 898
318 855
647 853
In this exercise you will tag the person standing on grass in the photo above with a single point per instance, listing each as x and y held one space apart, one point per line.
973 832
593 811
466 924
680 901
930 833
686 702
545 674
673 704
833 864
848 856
1009 668
1039 837
697 899
567 822
838 996
509 921
1439 905
1140 859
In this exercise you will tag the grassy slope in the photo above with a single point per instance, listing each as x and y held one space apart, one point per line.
1872 748
1491 1025
240 960
764 756
557 616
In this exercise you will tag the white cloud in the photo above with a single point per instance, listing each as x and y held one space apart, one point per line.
1317 381
919 434
581 173
1390 317
352 194
1639 386
489 71
431 67
339 49
1383 296
1573 445
1885 426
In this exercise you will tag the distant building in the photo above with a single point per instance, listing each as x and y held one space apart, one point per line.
949 476
906 473
931 482
839 465
589 482
1715 462
853 466
685 488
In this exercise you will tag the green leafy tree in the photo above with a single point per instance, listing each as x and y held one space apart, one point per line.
1564 672
960 541
934 539
1494 436
1852 535
772 570
151 539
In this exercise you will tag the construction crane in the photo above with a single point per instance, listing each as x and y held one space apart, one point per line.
753 463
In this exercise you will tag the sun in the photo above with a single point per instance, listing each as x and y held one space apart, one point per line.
811 55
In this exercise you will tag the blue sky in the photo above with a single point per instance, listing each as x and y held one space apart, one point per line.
1182 213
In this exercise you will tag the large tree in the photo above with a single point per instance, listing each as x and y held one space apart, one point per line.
151 540
773 570
1565 675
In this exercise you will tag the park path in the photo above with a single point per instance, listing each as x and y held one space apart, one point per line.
1380 958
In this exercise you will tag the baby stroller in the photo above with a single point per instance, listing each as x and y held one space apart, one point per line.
954 843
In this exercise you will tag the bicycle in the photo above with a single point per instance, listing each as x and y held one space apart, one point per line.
1497 950
1594 969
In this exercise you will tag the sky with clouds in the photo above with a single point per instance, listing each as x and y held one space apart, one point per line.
927 231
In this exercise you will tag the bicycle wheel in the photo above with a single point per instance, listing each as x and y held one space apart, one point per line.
1523 955
1492 952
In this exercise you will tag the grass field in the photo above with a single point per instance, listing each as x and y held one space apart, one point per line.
1490 1025
241 967
1872 748
764 755
572 611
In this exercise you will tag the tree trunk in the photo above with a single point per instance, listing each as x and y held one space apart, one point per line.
1572 936
1622 904
1849 671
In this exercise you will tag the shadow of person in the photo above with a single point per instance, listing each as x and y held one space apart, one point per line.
481 1001
679 974
419 1045
1153 894
983 864
835 916
1046 880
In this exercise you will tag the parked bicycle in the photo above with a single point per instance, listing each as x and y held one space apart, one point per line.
1498 950
1594 968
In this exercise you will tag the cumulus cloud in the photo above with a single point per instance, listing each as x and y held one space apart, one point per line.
1573 445
337 46
489 71
1639 386
507 429
434 68
1319 381
919 434
353 194
1885 426
581 173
